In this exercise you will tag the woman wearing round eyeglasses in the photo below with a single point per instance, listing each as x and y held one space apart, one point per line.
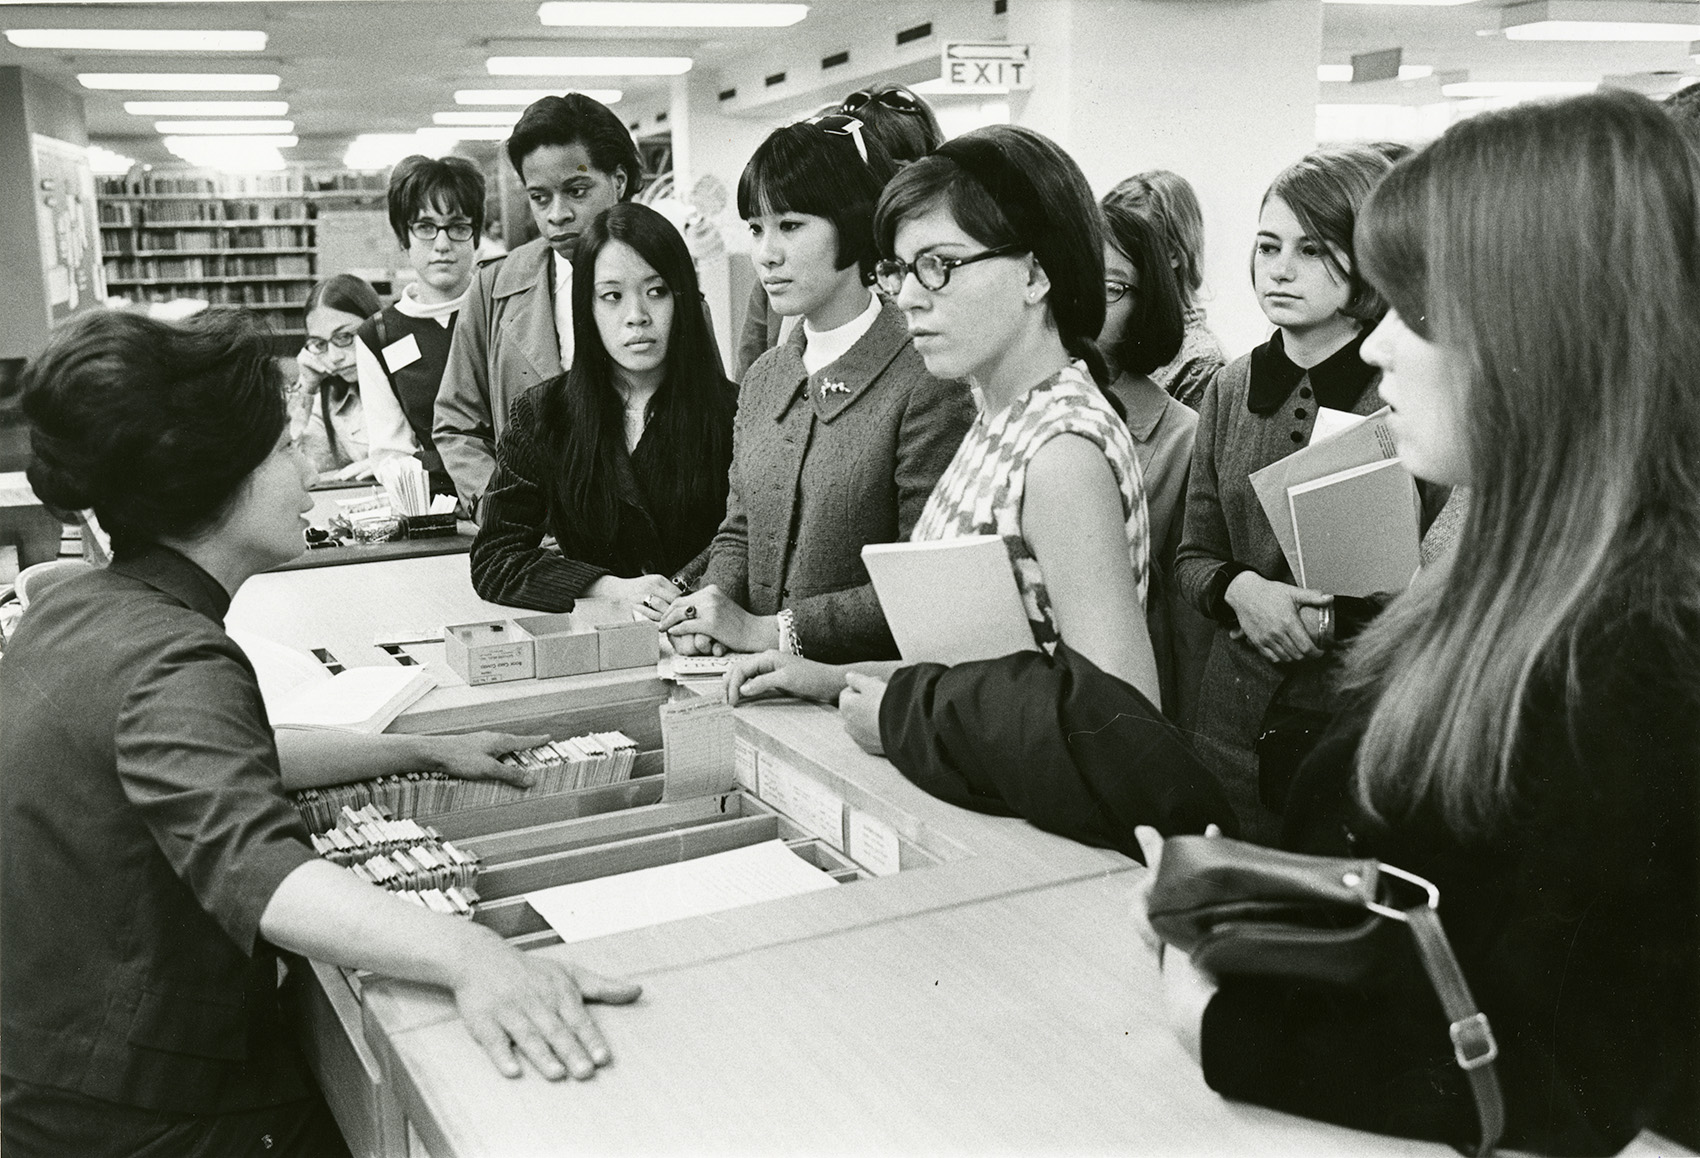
841 430
437 212
326 417
999 271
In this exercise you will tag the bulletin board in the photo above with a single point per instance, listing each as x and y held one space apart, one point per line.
68 226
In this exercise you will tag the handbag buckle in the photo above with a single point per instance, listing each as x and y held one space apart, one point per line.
1411 879
1473 1043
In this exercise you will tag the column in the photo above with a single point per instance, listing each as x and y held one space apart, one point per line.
1223 92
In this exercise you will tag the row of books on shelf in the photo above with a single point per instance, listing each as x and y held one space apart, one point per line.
173 212
195 268
588 761
230 294
238 185
123 240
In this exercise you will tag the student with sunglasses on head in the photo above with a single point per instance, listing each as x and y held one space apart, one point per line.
325 411
907 129
841 430
436 209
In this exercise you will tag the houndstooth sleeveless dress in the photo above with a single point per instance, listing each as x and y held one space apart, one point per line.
981 491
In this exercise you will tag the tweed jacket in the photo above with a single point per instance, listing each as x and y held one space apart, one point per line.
1226 530
822 464
504 344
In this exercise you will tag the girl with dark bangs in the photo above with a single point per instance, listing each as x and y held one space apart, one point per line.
624 457
1524 721
841 430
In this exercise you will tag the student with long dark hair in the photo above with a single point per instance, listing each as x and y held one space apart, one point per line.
1266 689
575 159
152 865
841 429
1524 721
1142 331
622 459
325 410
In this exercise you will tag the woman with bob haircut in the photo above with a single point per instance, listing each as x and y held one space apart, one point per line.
841 429
999 268
1524 721
575 159
1265 691
1142 330
1168 202
622 459
436 211
150 855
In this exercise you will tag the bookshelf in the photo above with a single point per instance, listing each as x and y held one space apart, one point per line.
250 241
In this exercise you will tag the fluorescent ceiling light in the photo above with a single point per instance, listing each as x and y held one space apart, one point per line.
1520 89
222 128
1640 20
182 81
571 13
939 86
137 39
464 133
103 162
500 117
374 151
207 108
1342 73
231 154
1406 3
526 96
588 65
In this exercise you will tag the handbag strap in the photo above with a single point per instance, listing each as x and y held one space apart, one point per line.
1473 1044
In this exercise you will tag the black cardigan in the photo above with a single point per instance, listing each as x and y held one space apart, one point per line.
509 564
1578 928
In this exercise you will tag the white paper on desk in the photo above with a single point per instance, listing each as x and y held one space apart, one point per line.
672 892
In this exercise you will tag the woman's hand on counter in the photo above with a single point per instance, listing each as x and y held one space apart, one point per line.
1186 988
708 612
776 673
642 593
1269 616
512 1000
859 707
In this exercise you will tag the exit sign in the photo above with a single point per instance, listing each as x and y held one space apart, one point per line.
970 66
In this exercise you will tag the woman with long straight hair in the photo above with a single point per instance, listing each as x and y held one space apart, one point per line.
624 457
1524 723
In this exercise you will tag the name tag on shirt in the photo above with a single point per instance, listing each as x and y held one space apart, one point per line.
402 353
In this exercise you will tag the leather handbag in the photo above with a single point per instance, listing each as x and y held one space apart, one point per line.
1242 909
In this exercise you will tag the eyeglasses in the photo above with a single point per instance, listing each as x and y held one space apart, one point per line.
895 98
840 125
428 230
342 340
931 270
1115 291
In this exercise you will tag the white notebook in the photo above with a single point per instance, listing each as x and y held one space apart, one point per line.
300 693
949 600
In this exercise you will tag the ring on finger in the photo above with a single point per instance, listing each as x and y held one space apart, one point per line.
690 611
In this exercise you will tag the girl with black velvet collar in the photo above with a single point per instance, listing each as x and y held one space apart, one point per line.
1267 670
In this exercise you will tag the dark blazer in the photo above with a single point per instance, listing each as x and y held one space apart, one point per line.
1051 738
822 465
144 832
652 536
1577 927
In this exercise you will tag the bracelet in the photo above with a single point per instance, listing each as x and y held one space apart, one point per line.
789 641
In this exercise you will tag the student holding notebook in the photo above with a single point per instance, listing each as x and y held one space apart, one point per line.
152 865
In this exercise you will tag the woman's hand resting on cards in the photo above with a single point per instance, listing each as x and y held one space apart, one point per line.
1269 616
702 618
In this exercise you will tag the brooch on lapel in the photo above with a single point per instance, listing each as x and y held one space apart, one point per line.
827 387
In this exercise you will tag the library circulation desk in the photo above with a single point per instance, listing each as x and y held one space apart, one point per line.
974 985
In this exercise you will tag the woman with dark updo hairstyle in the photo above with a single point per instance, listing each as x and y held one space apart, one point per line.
152 864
